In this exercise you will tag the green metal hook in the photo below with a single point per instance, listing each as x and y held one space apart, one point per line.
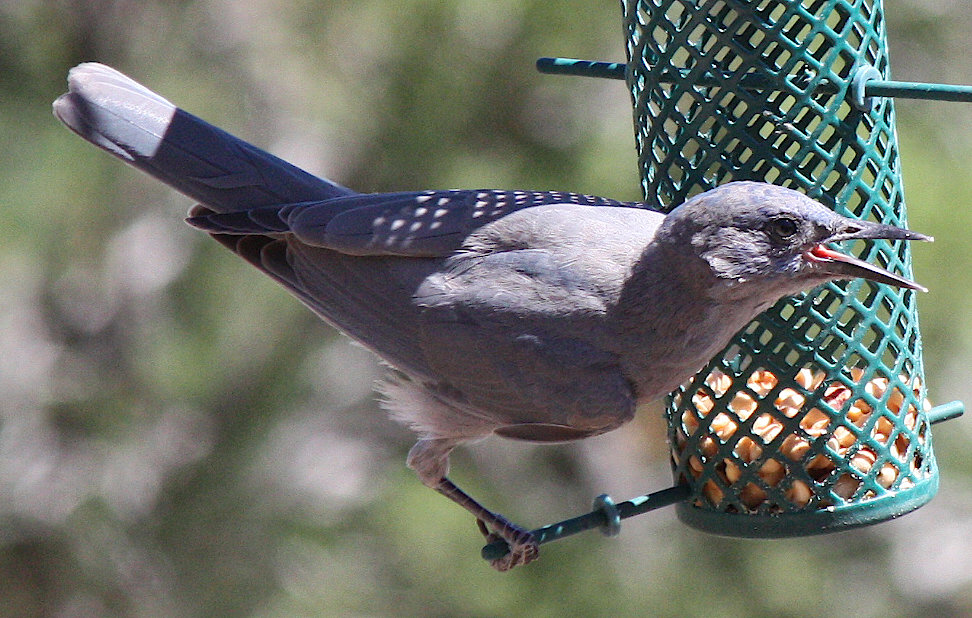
866 81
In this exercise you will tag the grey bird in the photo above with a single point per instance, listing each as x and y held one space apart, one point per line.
540 316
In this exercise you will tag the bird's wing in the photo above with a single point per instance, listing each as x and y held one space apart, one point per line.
369 299
415 224
426 315
520 324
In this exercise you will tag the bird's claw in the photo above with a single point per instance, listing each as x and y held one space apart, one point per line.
522 544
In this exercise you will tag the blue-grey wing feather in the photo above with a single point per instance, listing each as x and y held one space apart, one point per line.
416 224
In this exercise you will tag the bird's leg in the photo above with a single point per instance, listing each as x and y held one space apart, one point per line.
430 460
523 545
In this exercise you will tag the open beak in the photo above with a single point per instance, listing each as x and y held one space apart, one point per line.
844 266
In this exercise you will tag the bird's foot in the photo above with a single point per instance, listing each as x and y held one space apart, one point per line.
523 545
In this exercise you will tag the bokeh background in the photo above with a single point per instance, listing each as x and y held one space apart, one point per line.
179 437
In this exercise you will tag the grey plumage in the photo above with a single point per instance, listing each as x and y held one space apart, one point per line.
533 315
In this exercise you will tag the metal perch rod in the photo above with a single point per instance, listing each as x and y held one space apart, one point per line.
606 515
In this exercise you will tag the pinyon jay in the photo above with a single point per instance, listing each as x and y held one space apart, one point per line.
540 316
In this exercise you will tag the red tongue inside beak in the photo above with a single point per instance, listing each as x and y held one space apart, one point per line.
824 252
849 267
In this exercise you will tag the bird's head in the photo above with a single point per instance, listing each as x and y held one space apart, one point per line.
774 238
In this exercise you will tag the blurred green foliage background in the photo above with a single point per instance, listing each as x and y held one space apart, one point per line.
179 437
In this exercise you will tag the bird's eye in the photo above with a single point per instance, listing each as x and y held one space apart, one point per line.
783 228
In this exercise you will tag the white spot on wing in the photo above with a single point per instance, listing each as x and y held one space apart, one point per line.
423 198
397 224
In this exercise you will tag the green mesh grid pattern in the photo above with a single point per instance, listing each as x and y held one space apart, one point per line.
814 417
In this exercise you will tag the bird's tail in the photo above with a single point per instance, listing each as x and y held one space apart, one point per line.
138 126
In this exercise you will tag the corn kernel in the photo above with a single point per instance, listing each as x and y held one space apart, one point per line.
789 402
884 426
743 405
808 379
712 492
702 402
695 465
895 400
718 382
798 493
767 427
846 486
887 475
863 460
733 473
819 467
837 395
762 382
723 426
689 421
772 472
795 447
858 413
876 387
752 495
747 450
815 422
841 439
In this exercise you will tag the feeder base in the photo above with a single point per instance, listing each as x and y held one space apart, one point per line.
833 519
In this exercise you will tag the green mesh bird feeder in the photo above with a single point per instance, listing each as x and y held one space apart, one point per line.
815 417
